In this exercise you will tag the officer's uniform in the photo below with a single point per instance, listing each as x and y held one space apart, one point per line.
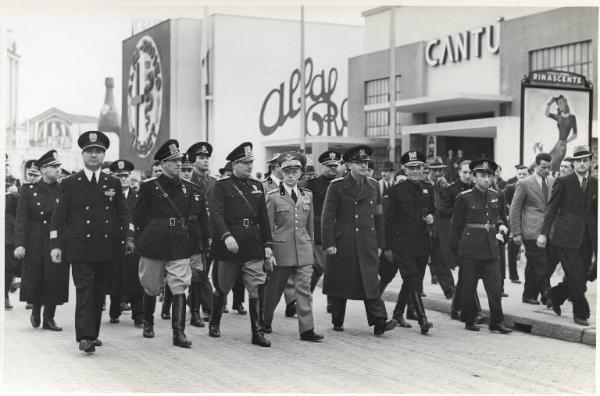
318 186
290 211
126 281
477 218
90 213
407 237
238 209
352 223
163 218
42 282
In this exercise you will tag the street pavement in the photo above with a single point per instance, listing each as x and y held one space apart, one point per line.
448 360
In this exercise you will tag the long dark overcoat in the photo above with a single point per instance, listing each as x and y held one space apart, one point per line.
352 222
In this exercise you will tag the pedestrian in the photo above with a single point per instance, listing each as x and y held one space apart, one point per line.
241 240
352 234
527 212
11 264
90 213
572 211
162 219
408 220
566 167
478 220
290 210
514 249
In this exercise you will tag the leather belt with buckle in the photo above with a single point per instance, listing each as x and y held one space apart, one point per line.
171 221
482 226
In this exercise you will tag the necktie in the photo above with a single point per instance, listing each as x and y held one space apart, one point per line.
94 181
545 189
294 196
583 184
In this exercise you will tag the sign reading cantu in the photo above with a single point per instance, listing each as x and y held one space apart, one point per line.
554 77
462 46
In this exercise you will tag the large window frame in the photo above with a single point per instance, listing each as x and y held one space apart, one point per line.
573 57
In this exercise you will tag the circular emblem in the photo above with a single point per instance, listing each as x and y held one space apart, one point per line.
144 96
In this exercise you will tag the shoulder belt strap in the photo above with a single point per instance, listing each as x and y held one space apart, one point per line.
243 197
164 193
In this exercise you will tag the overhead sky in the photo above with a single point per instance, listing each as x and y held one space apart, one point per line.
67 49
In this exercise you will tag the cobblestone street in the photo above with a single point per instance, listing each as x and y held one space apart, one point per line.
449 360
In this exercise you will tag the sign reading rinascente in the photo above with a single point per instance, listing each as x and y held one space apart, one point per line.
553 77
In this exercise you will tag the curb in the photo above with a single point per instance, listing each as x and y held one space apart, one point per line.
583 335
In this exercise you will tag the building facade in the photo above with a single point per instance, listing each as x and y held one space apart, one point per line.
458 73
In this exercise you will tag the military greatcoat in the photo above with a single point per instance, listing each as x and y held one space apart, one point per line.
352 222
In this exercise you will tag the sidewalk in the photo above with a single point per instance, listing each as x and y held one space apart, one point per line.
534 319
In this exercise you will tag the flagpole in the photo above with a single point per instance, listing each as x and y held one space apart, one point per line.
392 85
302 86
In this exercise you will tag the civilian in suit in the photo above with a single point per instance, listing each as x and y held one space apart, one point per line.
527 212
513 248
290 210
90 213
572 211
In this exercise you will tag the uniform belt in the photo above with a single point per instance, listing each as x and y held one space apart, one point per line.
482 226
171 222
244 223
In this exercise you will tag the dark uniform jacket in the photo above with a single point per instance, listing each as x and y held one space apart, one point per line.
88 218
128 280
449 195
476 207
406 232
352 222
205 183
572 212
318 186
10 213
32 231
163 231
199 227
247 222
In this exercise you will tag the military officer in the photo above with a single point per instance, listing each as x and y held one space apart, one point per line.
290 211
241 240
127 265
42 282
32 173
408 217
163 217
478 220
90 213
329 161
353 236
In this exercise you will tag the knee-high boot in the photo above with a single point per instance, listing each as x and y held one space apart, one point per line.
424 324
216 312
178 322
258 335
166 305
195 318
149 303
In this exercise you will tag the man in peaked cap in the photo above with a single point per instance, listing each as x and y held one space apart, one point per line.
43 283
478 222
31 172
241 240
126 280
164 213
408 219
88 221
573 212
290 211
329 161
352 235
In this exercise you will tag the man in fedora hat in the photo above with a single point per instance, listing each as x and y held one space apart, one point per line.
87 223
43 283
572 211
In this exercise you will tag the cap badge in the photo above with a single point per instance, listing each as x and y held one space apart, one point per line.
93 137
485 165
332 155
173 148
412 155
361 152
55 155
203 149
247 151
121 165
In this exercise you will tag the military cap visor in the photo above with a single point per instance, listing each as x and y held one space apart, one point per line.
412 158
91 139
483 165
121 167
330 157
50 158
291 160
168 151
436 165
358 154
243 152
200 148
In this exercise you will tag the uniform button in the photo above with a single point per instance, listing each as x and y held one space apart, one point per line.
41 213
87 222
107 208
371 216
122 242
45 221
372 229
296 227
87 236
37 203
357 230
356 216
105 236
106 221
87 208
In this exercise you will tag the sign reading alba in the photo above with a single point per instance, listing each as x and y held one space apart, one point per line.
324 117
144 96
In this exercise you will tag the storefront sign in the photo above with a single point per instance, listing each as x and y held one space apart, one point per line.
324 117
462 46
553 77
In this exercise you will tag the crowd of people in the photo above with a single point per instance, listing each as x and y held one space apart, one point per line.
188 238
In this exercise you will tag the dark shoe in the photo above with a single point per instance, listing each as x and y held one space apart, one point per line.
500 328
449 295
481 319
402 323
410 315
36 316
225 310
166 315
543 299
214 331
7 305
328 308
240 309
87 346
515 281
114 320
425 326
165 312
310 335
178 322
556 309
149 304
532 301
290 310
455 315
196 320
504 294
471 327
138 322
267 329
422 294
581 322
97 342
338 328
148 331
28 306
50 324
434 280
379 329
206 316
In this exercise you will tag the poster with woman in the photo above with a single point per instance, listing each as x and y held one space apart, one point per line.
554 119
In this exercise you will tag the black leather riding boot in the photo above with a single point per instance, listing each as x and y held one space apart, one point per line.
178 321
258 335
216 312
149 303
419 308
195 319
166 305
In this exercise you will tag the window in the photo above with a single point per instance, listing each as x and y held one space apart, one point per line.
377 122
378 91
575 58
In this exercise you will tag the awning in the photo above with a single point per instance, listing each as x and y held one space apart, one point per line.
454 101
481 127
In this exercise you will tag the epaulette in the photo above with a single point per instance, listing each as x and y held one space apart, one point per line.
224 178
466 191
491 189
337 179
149 179
273 191
372 178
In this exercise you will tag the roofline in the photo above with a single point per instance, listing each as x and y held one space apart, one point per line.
376 10
284 20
